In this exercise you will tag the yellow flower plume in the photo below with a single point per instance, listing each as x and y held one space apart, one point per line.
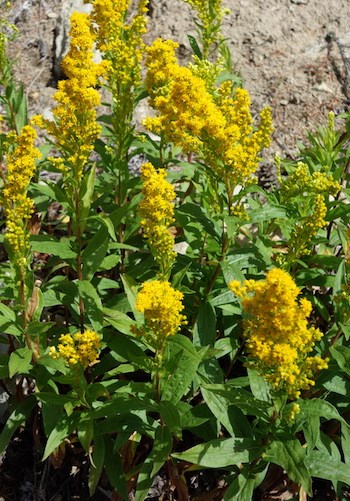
18 206
75 128
162 307
276 332
81 348
157 212
217 125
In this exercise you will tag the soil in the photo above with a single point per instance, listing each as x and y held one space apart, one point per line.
293 55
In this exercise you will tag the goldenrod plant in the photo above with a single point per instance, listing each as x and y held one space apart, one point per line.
177 318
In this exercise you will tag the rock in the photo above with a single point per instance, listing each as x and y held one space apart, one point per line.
299 2
323 87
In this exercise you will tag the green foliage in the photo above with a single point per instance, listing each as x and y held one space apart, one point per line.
138 404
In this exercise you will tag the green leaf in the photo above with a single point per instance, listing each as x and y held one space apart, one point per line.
16 419
92 303
7 313
319 408
260 388
85 196
53 399
312 431
204 333
195 47
221 452
218 405
46 244
241 488
118 320
144 481
340 278
266 213
128 348
20 361
108 263
114 469
104 219
171 417
64 427
226 297
178 380
322 465
289 453
131 291
231 271
86 432
54 364
162 447
342 356
242 399
94 253
37 328
98 458
345 443
8 321
191 212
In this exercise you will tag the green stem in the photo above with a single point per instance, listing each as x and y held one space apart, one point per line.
23 302
80 275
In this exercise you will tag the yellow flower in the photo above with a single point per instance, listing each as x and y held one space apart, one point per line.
161 306
313 190
157 211
119 38
18 206
277 336
81 348
216 125
75 128
120 41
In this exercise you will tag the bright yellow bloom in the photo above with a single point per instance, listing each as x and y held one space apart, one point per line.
18 206
120 41
157 211
277 336
75 128
119 38
161 306
81 348
217 125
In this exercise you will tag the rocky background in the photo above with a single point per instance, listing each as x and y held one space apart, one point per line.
293 55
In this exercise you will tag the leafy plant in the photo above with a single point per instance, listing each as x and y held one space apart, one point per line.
180 318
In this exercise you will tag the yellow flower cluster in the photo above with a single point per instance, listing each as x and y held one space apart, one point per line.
121 41
18 206
161 306
307 228
217 126
314 188
301 182
157 211
278 339
81 348
75 128
293 411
